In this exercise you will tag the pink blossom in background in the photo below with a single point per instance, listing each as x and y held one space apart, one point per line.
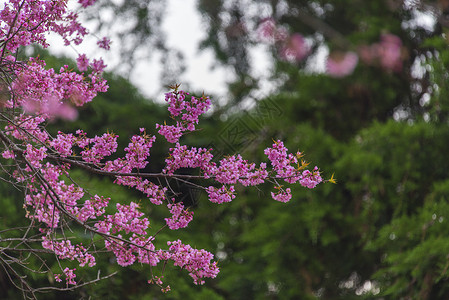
387 53
341 64
269 32
52 108
295 48
390 52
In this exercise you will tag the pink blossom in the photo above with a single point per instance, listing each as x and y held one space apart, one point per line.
180 217
82 62
65 250
341 64
387 53
221 195
294 48
70 276
269 32
188 109
52 108
182 157
282 195
104 43
86 3
390 52
98 66
196 262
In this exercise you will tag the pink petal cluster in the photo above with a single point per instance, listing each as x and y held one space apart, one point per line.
69 276
43 91
197 262
387 53
269 32
82 62
27 22
341 64
104 43
284 165
127 219
65 250
138 150
294 48
188 110
182 157
221 195
282 195
86 3
180 217
102 147
291 47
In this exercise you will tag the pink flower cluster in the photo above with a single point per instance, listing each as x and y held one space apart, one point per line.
138 150
127 219
387 53
221 195
43 91
292 48
341 64
188 111
197 262
182 157
180 217
65 250
102 147
37 89
287 167
86 3
104 43
69 275
28 22
282 195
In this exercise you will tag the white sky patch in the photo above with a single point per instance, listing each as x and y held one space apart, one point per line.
184 32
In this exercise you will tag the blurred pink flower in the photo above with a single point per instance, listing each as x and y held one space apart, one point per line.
269 32
387 53
390 52
341 64
52 108
295 48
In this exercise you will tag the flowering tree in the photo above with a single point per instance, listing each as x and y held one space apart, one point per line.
40 164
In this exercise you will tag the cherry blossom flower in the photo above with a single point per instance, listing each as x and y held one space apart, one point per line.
341 64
